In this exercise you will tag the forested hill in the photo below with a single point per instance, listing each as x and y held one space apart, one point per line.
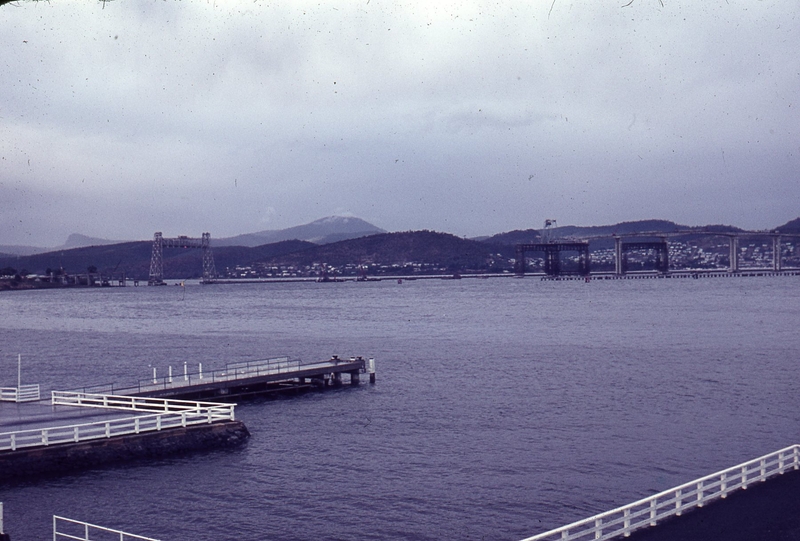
425 247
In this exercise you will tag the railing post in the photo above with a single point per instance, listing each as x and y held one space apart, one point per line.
763 475
780 462
108 429
44 437
723 488
565 534
700 494
598 532
136 425
76 436
744 477
678 502
158 422
13 442
626 524
652 512
183 419
796 456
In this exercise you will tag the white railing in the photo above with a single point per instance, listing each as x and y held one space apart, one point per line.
648 511
132 403
231 372
65 528
174 414
23 393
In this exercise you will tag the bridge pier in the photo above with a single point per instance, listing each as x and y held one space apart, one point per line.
776 253
552 256
734 254
662 254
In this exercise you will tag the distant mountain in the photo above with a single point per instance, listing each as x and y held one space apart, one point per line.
398 248
623 228
8 250
76 240
792 226
368 246
323 231
133 259
527 236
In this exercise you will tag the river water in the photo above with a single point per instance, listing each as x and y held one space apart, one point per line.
502 408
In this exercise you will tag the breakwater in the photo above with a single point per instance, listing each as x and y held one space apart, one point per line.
66 457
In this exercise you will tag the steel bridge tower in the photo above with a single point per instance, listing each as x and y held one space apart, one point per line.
157 257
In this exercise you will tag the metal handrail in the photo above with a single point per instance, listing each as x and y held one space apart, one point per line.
87 528
231 372
672 502
168 414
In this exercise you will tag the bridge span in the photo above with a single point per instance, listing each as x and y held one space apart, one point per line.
553 249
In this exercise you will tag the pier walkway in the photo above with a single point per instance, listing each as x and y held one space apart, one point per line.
78 417
277 374
751 501
768 511
81 430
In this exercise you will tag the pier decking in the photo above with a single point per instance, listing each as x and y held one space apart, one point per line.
711 507
768 511
80 430
277 374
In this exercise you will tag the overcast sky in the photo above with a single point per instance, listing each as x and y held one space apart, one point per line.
473 118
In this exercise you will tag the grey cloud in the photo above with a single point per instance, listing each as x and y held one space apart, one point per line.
468 117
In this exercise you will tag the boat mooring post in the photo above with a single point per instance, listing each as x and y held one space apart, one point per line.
371 370
3 535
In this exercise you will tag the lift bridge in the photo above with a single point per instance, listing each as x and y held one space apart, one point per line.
157 259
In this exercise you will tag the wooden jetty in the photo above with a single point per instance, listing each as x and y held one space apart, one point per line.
248 378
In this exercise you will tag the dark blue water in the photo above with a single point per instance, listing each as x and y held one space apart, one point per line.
503 407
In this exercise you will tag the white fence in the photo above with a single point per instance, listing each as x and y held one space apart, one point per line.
23 393
65 528
167 414
133 403
622 521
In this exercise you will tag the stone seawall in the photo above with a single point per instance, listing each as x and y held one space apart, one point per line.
65 457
